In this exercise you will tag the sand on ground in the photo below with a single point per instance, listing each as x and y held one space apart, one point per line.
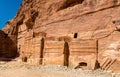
19 69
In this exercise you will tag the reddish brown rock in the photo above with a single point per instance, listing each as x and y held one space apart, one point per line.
7 47
39 22
83 53
54 52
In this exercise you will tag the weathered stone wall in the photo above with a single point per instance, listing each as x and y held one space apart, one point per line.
83 51
30 45
75 19
54 52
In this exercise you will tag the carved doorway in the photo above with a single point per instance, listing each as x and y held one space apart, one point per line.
66 54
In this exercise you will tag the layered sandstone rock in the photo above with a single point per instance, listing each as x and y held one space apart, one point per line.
39 22
7 47
84 52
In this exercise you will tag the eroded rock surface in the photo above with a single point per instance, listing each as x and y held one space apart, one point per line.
7 47
63 22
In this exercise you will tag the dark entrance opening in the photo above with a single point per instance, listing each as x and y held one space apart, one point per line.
24 59
41 51
66 54
83 64
75 35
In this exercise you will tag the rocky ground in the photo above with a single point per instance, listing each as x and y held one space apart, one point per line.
18 69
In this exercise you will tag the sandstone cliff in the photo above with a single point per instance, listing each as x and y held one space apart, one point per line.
39 23
8 48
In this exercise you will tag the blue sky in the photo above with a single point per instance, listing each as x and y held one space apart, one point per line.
8 9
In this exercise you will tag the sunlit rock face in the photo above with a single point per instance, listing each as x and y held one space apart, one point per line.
67 22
